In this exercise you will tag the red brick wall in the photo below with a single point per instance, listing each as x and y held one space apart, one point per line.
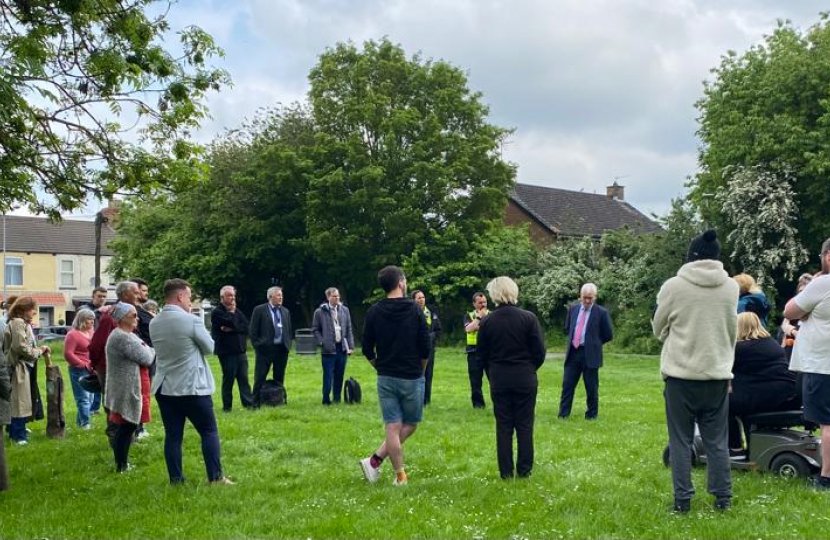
515 215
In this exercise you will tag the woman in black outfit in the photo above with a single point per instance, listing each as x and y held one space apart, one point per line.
511 347
763 381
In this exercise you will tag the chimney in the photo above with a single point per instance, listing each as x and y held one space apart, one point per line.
615 192
110 212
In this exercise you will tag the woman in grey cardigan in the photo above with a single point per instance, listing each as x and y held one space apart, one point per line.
128 381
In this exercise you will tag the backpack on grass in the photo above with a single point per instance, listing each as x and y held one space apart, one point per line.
351 391
273 394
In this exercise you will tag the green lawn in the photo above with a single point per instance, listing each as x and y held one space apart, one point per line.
298 476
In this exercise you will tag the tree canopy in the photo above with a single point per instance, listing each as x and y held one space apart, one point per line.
391 156
770 108
91 103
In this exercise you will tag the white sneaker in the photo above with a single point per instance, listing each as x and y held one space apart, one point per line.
143 434
21 443
86 427
372 474
28 430
402 483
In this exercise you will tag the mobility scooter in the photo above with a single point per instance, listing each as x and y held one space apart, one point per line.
780 442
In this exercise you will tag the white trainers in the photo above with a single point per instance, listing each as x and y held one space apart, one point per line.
372 474
22 442
401 483
143 434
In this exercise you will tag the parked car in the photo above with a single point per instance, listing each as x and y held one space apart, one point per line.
52 333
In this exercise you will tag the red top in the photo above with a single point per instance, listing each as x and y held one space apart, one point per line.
98 343
76 349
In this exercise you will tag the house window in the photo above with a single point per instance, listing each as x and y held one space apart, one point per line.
67 273
14 271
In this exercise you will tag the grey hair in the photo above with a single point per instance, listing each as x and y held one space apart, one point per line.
271 291
331 290
225 288
83 316
503 290
121 310
123 287
588 288
151 306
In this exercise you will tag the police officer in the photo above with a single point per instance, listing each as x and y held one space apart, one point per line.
475 368
434 326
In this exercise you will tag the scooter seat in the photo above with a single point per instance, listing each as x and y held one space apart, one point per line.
779 419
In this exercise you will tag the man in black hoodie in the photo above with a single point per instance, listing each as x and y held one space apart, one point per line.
396 343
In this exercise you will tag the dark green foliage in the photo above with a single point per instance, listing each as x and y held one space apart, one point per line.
770 107
72 72
392 162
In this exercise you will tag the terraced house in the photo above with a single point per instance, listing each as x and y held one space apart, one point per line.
54 263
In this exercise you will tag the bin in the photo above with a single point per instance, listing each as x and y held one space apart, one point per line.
305 342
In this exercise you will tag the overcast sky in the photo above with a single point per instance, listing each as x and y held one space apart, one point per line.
595 89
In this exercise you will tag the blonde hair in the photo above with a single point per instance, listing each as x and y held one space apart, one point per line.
503 290
747 284
749 327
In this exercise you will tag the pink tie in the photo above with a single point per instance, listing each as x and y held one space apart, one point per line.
580 326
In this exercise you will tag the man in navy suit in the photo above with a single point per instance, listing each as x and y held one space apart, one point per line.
271 333
588 327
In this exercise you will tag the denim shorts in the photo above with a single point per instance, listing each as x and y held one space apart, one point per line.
401 400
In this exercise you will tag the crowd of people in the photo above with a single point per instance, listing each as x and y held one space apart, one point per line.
719 363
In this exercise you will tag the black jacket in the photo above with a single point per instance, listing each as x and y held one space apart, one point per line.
511 346
234 340
396 338
143 328
761 370
262 326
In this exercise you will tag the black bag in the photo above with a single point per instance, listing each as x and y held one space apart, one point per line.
351 391
273 394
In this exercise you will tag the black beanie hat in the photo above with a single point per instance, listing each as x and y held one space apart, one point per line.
705 246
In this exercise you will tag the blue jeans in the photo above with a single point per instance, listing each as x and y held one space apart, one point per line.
96 403
199 410
17 429
334 369
401 400
82 397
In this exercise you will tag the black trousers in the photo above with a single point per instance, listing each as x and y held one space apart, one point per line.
235 369
475 369
121 445
428 376
270 355
515 411
575 368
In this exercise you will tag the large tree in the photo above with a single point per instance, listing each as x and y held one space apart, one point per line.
769 108
91 103
404 155
243 226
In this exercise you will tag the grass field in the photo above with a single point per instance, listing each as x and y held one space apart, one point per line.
298 477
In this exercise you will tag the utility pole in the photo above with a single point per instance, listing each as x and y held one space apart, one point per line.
100 219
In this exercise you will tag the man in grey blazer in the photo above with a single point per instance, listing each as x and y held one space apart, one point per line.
271 333
184 383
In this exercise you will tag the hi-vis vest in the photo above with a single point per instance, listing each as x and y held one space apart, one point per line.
428 315
472 337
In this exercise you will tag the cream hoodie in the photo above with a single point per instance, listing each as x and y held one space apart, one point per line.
697 321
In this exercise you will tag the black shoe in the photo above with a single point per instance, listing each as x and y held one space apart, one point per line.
681 506
478 406
723 504
821 483
524 475
590 417
226 410
562 416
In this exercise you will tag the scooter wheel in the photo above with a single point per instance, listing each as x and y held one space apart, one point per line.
789 466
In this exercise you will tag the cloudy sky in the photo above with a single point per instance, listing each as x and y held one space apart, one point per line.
596 90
